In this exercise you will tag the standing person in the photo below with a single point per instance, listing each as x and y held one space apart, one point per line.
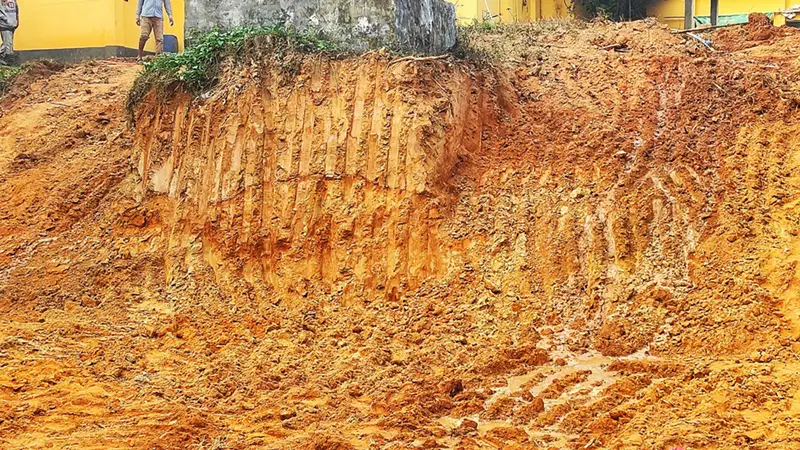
9 21
150 17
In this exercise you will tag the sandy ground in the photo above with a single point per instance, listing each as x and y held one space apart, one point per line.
590 243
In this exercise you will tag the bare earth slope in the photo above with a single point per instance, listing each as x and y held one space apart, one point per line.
592 244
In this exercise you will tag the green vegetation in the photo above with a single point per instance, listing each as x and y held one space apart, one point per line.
7 75
27 73
198 67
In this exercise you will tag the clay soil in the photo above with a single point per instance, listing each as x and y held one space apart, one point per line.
592 243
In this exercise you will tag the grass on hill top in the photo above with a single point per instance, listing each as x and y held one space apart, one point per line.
7 75
198 67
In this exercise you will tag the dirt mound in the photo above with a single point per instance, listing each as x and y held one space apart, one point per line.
757 31
759 27
31 72
592 247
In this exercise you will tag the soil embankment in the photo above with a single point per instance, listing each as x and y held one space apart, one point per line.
590 244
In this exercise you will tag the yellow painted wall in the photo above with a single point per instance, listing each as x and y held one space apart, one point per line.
509 11
65 24
466 10
555 9
55 24
671 11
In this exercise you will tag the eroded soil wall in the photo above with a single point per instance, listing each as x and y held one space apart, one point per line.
335 180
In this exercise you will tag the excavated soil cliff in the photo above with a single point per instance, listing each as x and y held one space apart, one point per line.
591 242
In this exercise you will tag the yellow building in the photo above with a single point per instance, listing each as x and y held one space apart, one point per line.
509 11
671 12
78 29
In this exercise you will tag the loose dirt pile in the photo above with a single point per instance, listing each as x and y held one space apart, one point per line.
759 27
757 31
593 244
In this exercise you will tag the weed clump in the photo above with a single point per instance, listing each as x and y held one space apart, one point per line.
198 67
7 76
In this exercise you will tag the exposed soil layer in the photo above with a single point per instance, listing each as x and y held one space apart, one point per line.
593 244
757 31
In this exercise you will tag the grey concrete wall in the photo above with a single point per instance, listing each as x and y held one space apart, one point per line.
72 55
426 26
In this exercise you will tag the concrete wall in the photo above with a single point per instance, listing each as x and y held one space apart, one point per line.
425 25
420 25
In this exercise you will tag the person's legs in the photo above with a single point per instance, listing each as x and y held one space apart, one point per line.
158 32
7 49
144 35
7 56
